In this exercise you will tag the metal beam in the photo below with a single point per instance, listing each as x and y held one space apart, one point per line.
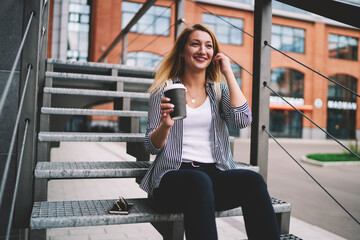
123 32
179 17
336 10
260 95
34 54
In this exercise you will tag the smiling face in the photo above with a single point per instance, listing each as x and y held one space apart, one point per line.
198 51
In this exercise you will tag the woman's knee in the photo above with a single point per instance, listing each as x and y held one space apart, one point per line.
198 186
255 179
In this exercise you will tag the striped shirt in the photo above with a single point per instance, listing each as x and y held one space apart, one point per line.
168 158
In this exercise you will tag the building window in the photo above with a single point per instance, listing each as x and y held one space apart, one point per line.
225 33
156 21
341 107
287 82
143 59
336 93
288 39
343 47
78 31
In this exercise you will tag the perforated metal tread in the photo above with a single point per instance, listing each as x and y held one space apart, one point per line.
95 213
96 112
124 169
289 237
94 65
69 170
96 77
95 93
90 137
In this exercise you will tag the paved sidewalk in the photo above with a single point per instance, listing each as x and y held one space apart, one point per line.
59 190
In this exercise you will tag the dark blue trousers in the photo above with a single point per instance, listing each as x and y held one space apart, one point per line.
200 191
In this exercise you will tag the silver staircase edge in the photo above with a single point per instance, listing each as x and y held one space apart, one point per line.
95 65
94 112
119 169
95 212
96 77
99 93
89 137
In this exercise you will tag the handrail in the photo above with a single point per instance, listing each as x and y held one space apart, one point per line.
314 179
17 180
12 143
12 72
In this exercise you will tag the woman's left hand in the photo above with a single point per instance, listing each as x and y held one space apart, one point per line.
224 63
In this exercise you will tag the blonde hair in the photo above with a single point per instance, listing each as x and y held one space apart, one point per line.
172 65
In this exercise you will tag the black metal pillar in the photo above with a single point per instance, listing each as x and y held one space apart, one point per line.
260 95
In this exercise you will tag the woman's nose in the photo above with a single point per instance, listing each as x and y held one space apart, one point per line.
202 48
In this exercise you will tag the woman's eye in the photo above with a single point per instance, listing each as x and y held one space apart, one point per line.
209 46
194 44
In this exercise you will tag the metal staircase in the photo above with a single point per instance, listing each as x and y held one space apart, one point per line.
70 88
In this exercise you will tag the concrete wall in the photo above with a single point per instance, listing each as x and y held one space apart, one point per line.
11 15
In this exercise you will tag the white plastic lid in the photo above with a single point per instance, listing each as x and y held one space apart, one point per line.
174 86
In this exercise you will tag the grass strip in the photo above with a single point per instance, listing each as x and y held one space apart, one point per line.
332 157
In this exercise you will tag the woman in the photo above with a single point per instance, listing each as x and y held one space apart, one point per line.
194 172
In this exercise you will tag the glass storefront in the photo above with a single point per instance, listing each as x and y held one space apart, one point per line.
341 107
289 83
286 124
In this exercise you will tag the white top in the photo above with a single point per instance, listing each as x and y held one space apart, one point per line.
197 140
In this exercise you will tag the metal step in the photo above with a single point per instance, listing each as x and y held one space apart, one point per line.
98 93
94 112
289 237
89 137
100 68
99 78
95 213
71 170
128 169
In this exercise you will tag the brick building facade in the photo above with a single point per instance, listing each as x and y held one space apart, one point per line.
329 47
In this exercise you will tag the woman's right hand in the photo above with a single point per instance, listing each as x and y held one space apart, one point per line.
166 108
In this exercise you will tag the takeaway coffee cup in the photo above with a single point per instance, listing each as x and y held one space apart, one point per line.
177 95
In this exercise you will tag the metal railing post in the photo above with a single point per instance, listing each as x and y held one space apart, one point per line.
260 96
124 50
179 17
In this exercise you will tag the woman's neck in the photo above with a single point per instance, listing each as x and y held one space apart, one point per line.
193 79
